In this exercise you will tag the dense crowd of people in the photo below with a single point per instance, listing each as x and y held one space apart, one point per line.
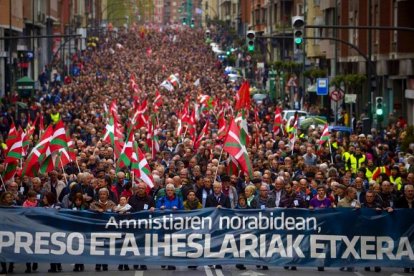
353 170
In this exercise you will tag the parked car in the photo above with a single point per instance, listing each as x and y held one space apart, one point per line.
260 98
287 114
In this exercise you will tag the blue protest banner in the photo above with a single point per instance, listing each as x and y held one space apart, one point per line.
279 237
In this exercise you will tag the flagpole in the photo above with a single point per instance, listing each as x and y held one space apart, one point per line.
294 140
2 182
330 150
77 164
185 133
64 173
221 153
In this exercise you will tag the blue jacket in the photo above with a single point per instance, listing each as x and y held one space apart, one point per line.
169 204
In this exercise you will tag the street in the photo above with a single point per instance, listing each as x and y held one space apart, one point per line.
207 271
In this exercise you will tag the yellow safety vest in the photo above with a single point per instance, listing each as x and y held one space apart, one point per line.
369 173
397 182
345 156
356 162
55 117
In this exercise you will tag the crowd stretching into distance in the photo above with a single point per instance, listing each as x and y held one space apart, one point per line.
161 95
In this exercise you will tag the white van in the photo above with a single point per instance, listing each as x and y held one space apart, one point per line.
287 114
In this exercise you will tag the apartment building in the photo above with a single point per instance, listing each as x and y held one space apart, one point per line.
391 51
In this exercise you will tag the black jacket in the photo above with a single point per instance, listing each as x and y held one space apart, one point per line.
138 203
222 200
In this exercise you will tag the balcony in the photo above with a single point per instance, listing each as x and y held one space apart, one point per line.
327 4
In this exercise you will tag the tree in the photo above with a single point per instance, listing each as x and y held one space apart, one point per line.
408 139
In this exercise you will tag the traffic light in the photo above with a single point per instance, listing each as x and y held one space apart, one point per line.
379 108
184 21
192 23
208 34
298 25
250 39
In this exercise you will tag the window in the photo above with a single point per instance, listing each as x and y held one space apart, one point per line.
351 31
299 9
356 30
263 15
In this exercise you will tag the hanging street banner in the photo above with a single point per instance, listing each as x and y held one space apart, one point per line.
280 237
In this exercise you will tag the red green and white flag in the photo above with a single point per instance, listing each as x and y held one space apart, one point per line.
232 166
14 145
10 171
59 138
191 125
241 121
140 166
66 155
27 135
235 144
37 154
202 134
127 150
325 135
174 80
152 138
206 102
277 123
157 101
139 118
243 97
133 86
113 110
57 143
109 135
222 127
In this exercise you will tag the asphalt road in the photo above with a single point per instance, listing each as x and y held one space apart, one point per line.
207 271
